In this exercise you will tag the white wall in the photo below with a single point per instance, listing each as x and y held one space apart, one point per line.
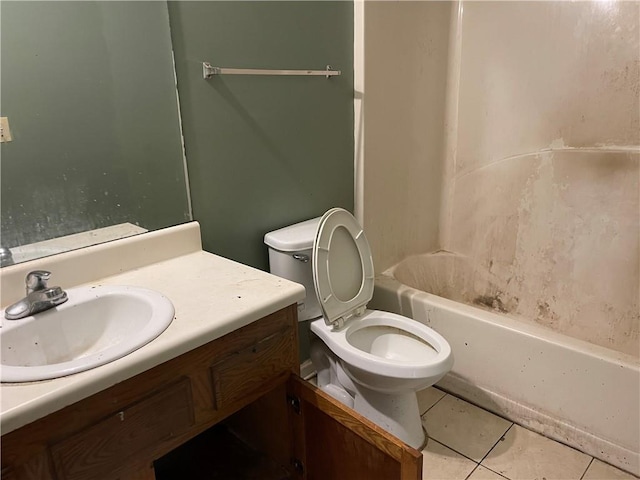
405 65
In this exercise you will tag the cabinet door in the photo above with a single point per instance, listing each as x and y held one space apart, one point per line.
332 441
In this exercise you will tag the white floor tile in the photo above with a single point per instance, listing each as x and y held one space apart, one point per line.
428 397
601 471
482 473
442 463
525 455
463 427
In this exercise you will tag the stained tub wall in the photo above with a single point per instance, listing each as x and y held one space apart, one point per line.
543 194
553 238
522 154
538 75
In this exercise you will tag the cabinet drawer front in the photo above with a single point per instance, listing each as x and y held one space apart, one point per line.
247 370
104 447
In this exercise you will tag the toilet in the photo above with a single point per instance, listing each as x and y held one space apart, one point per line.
370 360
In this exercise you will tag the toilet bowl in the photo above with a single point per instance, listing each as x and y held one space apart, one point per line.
373 361
388 352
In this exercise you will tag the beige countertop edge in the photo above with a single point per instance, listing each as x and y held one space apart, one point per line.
212 296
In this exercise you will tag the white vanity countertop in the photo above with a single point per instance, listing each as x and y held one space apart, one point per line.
212 296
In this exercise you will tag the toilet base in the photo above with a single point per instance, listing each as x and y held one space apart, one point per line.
397 413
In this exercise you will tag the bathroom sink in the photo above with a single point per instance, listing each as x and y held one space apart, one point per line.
97 325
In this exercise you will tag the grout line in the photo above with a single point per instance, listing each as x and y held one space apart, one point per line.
496 412
471 473
460 453
587 469
431 439
483 409
478 464
493 471
501 415
499 474
437 402
495 444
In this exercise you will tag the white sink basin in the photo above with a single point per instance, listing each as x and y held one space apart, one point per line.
97 325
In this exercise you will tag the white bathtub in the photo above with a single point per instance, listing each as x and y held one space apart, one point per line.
580 394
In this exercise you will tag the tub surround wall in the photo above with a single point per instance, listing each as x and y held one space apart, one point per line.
551 235
554 238
539 190
405 65
539 75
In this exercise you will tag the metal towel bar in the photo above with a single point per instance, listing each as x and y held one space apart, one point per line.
209 71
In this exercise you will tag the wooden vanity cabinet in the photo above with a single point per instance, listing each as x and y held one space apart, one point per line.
247 381
327 441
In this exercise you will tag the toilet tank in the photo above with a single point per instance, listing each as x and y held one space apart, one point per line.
290 257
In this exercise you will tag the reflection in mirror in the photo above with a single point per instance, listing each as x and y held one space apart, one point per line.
88 89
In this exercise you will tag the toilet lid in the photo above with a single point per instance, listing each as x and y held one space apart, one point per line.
342 267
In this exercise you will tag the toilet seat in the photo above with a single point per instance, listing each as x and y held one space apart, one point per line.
342 267
343 276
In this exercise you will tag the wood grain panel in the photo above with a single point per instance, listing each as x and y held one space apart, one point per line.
341 443
145 473
109 444
39 467
7 474
337 452
249 369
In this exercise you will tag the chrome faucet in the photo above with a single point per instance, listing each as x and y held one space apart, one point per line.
39 297
6 257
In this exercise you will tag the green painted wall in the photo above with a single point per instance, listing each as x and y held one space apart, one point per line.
89 90
264 152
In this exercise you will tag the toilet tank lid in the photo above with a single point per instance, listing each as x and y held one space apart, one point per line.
293 238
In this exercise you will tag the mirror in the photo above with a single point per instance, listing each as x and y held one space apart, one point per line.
88 89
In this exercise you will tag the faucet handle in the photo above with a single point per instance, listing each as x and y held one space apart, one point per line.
6 257
37 280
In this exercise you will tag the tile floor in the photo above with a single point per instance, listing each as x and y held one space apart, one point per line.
469 443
